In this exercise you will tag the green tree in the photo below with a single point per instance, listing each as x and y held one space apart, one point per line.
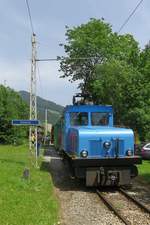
86 46
91 44
123 86
124 48
11 107
144 68
144 65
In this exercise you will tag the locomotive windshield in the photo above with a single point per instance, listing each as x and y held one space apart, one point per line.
79 118
99 119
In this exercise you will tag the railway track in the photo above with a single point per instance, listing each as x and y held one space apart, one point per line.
141 205
129 210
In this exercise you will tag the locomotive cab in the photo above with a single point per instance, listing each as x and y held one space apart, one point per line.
96 150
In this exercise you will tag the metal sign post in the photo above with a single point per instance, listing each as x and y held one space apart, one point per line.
34 124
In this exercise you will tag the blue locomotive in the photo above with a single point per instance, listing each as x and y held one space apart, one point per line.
97 151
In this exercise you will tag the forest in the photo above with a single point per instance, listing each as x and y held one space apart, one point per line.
12 107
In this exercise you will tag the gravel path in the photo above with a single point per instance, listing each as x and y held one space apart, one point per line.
79 205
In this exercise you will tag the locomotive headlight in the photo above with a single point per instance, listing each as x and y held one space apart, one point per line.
107 144
129 152
84 153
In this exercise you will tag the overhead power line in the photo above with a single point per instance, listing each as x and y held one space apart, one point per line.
30 17
129 17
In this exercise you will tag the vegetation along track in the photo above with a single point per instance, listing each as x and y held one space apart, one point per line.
129 210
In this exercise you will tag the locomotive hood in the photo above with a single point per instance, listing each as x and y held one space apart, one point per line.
94 140
103 131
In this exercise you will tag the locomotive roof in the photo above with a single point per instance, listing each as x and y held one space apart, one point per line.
88 108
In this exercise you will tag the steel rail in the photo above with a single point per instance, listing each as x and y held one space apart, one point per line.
112 208
142 206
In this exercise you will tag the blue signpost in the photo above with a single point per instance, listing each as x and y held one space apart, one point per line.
26 122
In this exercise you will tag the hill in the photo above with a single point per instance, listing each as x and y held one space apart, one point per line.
54 110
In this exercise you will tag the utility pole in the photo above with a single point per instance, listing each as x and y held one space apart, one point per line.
33 102
46 122
46 110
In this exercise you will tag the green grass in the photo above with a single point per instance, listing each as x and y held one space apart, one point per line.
24 202
144 171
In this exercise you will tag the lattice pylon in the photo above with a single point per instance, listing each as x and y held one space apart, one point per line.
33 101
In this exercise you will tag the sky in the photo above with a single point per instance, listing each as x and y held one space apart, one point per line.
49 20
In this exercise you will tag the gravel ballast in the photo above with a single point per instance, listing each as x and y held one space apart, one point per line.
79 205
